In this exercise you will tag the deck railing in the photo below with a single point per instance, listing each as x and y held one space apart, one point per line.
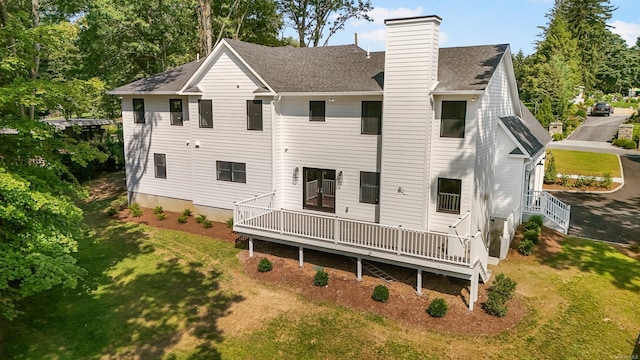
543 203
451 248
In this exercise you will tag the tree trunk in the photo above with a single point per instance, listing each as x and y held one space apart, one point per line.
35 10
206 35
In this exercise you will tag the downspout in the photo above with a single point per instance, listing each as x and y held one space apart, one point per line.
276 99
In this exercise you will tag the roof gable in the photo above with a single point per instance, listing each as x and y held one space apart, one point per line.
527 135
469 67
167 82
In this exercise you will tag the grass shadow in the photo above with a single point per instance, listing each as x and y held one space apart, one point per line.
599 258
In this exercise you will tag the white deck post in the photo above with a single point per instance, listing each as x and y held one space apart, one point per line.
250 247
281 218
301 255
336 230
399 239
419 282
473 291
359 267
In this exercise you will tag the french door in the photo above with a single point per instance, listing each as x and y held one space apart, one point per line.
319 191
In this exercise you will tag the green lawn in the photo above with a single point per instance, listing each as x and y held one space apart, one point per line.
586 163
163 294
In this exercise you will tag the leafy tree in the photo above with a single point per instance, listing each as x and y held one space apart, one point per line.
311 17
620 69
545 115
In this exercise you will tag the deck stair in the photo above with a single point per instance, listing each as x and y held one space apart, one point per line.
376 271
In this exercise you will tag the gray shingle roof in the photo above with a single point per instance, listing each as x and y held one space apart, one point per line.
168 81
527 131
469 67
343 68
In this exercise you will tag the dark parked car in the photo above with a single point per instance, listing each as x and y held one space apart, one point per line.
602 108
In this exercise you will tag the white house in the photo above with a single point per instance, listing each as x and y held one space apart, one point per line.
417 156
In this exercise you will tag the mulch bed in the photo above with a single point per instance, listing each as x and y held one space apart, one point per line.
404 305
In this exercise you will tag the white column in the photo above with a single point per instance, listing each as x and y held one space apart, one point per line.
301 255
473 291
359 271
250 247
419 282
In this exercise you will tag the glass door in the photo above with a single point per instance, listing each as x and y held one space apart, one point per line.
319 191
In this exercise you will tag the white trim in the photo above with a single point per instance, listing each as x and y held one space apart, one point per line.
139 92
213 54
346 93
458 92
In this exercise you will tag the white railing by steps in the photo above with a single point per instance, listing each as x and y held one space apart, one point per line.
480 254
552 208
258 213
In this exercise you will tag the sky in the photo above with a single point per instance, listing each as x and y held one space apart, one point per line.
478 22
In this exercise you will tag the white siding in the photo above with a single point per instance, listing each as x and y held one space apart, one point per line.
157 135
230 84
507 189
453 159
496 102
411 67
335 144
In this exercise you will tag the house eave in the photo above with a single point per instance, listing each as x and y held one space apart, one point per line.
334 93
457 92
112 92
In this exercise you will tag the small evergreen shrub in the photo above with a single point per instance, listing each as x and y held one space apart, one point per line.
438 308
206 223
565 180
526 247
550 172
201 218
186 212
158 210
135 210
532 235
230 223
503 289
321 278
557 137
182 219
627 144
504 286
495 305
161 216
265 265
380 294
112 211
536 219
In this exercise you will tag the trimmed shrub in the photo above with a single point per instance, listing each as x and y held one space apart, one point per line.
495 305
526 247
380 294
201 218
161 216
557 137
158 210
135 210
504 285
438 308
536 219
230 223
182 219
532 235
186 212
112 211
565 180
550 172
627 144
503 289
265 265
206 223
321 278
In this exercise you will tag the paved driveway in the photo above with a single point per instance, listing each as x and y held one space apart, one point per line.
599 128
611 217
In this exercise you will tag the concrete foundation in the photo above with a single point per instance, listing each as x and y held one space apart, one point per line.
178 205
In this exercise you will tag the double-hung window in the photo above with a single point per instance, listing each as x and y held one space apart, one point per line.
254 115
205 108
160 165
175 109
138 111
372 117
452 119
449 191
316 110
231 171
369 187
